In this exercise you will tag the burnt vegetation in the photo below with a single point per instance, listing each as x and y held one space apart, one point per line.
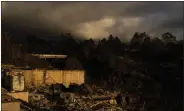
112 63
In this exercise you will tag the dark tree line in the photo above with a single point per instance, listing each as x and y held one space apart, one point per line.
97 55
10 52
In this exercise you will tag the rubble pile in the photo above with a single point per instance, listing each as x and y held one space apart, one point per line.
76 98
80 102
38 99
86 97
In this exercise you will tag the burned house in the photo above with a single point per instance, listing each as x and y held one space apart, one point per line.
68 70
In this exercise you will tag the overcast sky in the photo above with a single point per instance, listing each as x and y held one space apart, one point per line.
94 19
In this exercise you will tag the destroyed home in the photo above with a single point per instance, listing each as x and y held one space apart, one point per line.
40 87
68 74
19 80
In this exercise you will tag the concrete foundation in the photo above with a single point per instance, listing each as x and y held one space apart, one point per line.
10 106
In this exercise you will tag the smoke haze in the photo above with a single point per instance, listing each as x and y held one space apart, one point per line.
93 19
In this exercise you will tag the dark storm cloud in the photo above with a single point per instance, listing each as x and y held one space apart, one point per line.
92 19
172 24
149 8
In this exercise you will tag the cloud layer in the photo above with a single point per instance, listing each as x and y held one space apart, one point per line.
94 19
